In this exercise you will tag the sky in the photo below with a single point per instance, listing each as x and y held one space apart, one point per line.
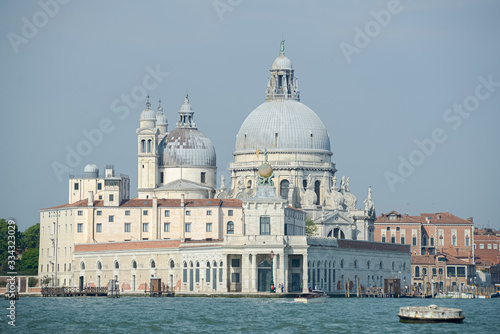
409 91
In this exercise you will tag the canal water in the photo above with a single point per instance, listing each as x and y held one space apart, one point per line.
238 315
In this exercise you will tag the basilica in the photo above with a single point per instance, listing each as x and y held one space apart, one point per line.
242 236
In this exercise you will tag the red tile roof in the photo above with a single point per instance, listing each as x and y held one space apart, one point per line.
430 218
145 203
383 246
433 259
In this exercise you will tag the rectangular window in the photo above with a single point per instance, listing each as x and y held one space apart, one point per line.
184 275
229 212
393 240
235 277
481 246
265 225
203 177
235 263
145 227
383 238
144 212
76 186
209 212
397 228
98 228
434 271
161 177
494 246
467 241
450 271
461 271
127 227
414 241
79 228
208 275
197 276
453 240
166 227
402 240
127 212
80 213
167 213
489 246
99 186
111 219
111 197
431 242
100 197
209 227
99 213
188 227
188 213
295 263
388 228
220 275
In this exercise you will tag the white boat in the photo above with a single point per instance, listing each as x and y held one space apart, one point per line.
431 313
316 296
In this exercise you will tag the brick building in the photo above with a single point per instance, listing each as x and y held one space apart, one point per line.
487 255
428 235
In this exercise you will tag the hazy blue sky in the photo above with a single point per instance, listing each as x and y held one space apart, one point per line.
64 72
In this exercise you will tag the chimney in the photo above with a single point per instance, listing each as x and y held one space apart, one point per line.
427 220
182 200
91 198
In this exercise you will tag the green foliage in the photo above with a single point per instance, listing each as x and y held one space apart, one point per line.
46 280
30 239
28 265
311 228
32 282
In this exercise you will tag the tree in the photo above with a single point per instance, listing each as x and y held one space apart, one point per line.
46 280
28 265
31 237
311 228
4 243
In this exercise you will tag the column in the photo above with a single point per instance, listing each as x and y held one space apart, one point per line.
254 273
285 270
245 272
305 277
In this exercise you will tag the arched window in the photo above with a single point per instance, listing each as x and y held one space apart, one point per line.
417 271
185 265
341 263
82 265
117 265
99 265
381 266
143 146
215 264
134 264
404 265
304 183
230 227
191 264
338 233
355 263
454 240
153 264
220 264
317 188
393 266
368 265
284 189
172 264
149 146
440 271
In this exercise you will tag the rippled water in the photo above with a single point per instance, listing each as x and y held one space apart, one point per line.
239 315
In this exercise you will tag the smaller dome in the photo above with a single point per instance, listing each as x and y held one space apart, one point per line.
91 168
148 114
91 171
161 119
282 63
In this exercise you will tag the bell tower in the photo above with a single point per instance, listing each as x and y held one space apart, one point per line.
147 153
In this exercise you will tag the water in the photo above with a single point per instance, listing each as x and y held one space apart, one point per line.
238 315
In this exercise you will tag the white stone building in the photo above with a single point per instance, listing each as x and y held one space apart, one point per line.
200 239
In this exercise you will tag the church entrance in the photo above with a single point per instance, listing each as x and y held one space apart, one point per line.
264 283
295 282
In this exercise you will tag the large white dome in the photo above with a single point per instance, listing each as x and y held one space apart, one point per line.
283 125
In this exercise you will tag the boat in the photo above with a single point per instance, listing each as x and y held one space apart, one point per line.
315 296
430 314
